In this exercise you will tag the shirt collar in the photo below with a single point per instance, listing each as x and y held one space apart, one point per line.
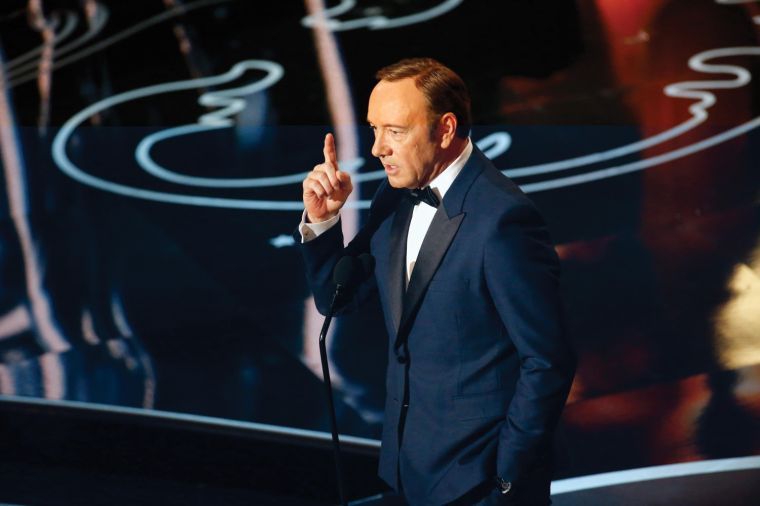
444 180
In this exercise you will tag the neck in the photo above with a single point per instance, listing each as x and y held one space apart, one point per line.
448 155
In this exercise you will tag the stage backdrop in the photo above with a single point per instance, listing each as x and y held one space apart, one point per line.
152 159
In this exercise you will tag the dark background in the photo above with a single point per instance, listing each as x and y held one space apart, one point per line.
117 299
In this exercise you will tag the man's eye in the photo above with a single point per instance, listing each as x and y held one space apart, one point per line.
395 132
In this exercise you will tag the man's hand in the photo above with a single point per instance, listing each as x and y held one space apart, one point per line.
326 188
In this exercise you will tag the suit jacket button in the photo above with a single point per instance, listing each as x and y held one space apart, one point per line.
401 359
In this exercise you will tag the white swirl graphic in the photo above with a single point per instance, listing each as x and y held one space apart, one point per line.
377 22
231 101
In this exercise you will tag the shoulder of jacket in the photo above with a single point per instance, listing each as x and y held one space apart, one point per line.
498 195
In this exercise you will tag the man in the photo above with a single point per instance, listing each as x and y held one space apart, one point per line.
479 367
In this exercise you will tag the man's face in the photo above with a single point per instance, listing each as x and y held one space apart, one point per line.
399 116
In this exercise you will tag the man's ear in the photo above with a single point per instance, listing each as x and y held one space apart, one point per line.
447 127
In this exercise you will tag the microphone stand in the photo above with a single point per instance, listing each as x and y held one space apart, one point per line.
328 387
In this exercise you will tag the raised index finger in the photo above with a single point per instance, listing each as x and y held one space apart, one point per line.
329 151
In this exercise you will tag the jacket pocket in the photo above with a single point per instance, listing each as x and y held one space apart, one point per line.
485 405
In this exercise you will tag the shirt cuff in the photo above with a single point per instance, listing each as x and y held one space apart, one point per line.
310 231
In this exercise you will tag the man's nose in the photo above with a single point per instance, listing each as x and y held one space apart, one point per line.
379 147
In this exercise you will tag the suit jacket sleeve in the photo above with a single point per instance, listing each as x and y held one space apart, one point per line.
522 274
320 256
322 253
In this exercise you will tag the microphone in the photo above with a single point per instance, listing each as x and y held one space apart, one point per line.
348 274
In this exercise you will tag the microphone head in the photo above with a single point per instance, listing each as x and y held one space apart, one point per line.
368 265
347 271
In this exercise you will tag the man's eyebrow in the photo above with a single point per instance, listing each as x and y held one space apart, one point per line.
387 125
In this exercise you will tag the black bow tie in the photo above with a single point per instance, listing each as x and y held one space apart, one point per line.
426 195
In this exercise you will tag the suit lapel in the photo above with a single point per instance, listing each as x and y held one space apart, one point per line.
397 260
437 240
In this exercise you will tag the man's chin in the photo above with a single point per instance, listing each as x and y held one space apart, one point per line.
397 183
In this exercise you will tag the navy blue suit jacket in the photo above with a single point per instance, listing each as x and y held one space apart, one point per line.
479 366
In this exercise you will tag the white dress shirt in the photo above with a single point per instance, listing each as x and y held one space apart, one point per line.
422 215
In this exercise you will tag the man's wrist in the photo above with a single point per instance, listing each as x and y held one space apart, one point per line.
310 231
319 219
